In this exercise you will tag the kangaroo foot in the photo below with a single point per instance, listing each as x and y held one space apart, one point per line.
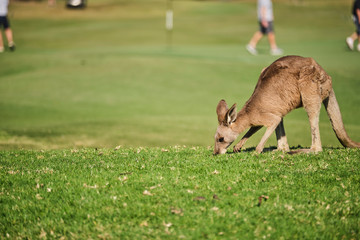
283 149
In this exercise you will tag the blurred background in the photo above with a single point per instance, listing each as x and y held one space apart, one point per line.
110 73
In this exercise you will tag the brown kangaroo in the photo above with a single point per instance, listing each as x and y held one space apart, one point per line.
288 83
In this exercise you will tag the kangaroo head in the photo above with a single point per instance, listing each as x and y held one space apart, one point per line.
225 135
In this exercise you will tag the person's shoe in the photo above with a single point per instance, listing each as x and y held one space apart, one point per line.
251 49
2 49
276 52
350 43
12 46
358 47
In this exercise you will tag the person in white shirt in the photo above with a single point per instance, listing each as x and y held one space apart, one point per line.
4 22
266 19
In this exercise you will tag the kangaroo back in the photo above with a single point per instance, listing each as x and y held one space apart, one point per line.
333 111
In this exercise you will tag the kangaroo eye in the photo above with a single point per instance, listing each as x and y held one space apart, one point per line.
221 139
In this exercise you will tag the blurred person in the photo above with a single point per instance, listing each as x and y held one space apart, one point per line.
51 3
266 19
4 22
356 35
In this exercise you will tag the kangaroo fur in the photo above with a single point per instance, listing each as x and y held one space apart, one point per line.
288 83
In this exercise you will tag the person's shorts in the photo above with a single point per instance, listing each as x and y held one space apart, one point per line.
4 22
266 30
357 25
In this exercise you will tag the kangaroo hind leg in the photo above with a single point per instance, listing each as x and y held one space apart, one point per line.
281 138
313 112
311 100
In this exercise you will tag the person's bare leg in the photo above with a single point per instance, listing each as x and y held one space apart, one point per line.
255 39
1 43
351 39
354 36
9 36
51 3
274 48
272 42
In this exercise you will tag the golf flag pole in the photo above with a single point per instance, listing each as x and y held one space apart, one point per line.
169 23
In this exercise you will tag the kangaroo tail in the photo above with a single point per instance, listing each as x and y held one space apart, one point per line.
333 111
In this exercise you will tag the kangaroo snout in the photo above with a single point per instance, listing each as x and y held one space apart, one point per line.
217 152
220 149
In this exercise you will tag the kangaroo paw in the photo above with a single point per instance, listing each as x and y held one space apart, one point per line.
237 149
259 150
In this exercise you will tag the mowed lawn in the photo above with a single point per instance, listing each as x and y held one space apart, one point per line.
105 76
178 193
106 131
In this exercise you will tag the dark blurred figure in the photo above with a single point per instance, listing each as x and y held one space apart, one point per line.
4 23
356 35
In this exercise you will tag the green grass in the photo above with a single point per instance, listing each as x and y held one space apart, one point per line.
82 82
178 193
104 76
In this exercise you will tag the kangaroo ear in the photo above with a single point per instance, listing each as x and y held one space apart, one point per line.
230 116
221 110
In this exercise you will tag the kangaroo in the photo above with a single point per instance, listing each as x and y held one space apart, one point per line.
288 83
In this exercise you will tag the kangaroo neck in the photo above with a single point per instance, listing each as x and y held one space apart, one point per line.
242 122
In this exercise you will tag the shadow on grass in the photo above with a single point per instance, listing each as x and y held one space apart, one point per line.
292 151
